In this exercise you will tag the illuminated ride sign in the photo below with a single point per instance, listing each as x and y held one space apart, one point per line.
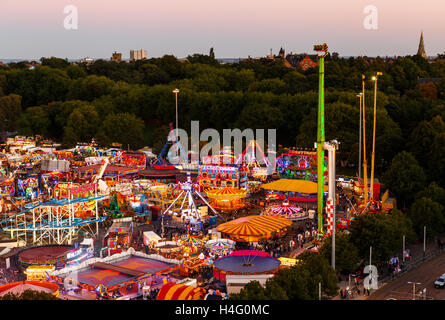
301 165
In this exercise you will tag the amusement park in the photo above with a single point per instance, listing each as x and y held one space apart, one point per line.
312 176
91 223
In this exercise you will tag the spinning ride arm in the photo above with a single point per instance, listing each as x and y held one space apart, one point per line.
102 171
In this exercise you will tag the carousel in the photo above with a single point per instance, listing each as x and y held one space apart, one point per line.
288 211
227 199
220 247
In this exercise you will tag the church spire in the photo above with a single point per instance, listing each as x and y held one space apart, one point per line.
421 51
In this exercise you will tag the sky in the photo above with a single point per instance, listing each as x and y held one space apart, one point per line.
31 29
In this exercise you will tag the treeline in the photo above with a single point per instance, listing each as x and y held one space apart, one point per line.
132 103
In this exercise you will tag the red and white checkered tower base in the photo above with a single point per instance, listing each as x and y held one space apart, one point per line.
329 216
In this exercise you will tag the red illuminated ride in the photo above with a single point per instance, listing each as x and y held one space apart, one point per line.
134 159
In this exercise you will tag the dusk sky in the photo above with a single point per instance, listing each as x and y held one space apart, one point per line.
235 28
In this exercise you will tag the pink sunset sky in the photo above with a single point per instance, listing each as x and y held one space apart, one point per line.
235 28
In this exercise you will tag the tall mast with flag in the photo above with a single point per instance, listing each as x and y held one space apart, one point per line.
322 52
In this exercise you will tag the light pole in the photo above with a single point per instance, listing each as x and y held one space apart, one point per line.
365 165
424 241
349 278
373 135
176 91
370 255
414 288
360 139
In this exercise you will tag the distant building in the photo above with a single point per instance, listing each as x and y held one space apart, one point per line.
421 51
138 55
86 60
116 57
305 61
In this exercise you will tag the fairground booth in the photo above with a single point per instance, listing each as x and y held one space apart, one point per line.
160 174
122 275
112 172
119 235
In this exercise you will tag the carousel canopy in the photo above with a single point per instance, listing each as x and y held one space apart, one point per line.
253 228
173 291
287 210
227 193
191 241
220 246
247 261
20 287
293 185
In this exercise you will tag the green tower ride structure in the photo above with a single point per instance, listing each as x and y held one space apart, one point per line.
323 52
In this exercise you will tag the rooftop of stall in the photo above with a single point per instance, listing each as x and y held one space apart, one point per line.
121 271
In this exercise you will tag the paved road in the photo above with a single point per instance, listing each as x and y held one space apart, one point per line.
425 274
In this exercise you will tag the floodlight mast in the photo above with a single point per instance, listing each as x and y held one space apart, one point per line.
322 53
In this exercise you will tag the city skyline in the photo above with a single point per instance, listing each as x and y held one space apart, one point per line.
234 29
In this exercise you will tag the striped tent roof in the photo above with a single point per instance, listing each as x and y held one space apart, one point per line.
226 193
293 185
253 228
173 291
191 241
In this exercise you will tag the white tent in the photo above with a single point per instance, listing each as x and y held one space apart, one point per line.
19 289
150 236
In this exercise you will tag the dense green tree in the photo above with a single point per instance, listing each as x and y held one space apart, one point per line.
384 232
90 88
296 82
437 161
75 72
251 291
82 125
404 177
124 128
35 120
434 192
422 138
39 86
54 62
346 254
426 212
3 84
275 85
152 74
204 59
10 108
